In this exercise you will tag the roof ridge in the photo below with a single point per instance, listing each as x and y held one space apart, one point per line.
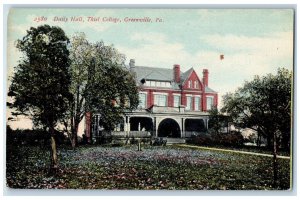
154 67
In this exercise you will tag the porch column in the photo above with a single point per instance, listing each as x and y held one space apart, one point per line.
156 126
153 125
183 128
125 125
128 125
206 124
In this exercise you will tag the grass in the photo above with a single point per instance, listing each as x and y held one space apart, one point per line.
170 167
255 149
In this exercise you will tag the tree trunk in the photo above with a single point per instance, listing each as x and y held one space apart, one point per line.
258 141
53 153
275 164
269 141
74 141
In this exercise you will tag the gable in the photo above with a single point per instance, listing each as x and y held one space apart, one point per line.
192 81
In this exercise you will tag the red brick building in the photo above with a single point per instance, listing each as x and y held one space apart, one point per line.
172 103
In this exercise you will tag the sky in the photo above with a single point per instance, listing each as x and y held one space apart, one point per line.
253 41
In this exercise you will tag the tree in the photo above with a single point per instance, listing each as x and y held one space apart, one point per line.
264 105
217 120
81 56
99 84
114 89
40 85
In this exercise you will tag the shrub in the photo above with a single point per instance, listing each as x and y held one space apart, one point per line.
233 139
104 139
202 139
159 142
32 137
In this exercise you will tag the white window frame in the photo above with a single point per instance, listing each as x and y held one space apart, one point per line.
197 108
157 101
179 102
189 84
209 107
152 83
147 83
145 104
196 84
189 104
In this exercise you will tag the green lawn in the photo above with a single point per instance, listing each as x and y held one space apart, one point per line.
170 167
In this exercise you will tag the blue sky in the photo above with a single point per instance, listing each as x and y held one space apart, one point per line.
253 41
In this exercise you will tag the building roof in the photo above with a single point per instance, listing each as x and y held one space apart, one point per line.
209 90
185 75
153 73
163 74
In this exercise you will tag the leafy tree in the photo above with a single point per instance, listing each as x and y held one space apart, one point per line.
41 81
217 120
264 105
81 55
99 84
114 90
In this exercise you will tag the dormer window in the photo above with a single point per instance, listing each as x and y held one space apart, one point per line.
163 84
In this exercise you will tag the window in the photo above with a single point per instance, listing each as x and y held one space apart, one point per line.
188 103
142 100
190 84
209 103
177 101
197 103
160 100
196 84
158 84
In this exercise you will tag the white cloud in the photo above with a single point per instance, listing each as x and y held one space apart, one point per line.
278 44
244 56
155 50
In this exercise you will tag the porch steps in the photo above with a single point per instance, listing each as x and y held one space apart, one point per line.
175 140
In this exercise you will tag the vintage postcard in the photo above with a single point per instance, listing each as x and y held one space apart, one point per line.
150 99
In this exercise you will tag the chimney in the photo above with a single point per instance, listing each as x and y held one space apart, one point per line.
132 64
205 77
176 71
132 67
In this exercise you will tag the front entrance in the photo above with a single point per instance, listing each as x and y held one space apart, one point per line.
169 128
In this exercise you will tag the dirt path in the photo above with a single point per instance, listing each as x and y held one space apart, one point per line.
233 151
